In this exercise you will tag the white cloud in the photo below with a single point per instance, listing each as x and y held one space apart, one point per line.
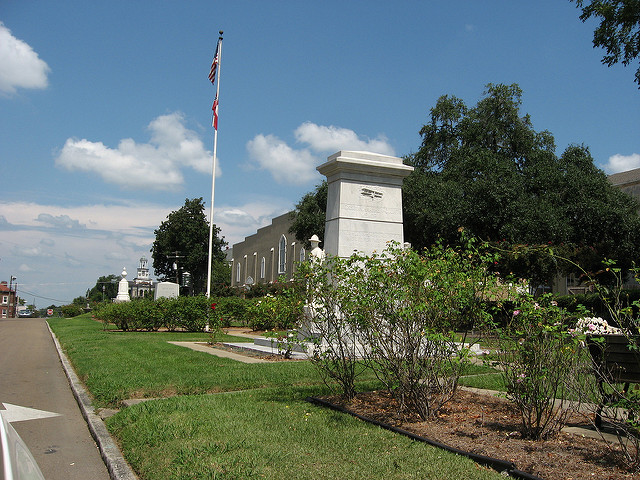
332 139
115 256
288 165
20 65
240 221
155 165
61 221
622 163
24 268
285 164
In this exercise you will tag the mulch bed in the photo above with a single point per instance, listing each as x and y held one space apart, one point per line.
486 425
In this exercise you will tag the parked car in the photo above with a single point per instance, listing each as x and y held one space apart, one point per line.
25 313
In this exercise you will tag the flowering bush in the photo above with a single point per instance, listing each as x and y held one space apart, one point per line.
281 312
400 311
595 326
538 359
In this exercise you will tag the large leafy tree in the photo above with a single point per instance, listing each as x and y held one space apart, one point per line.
185 234
487 170
308 218
619 29
106 288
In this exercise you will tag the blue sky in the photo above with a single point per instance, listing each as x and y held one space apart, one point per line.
105 109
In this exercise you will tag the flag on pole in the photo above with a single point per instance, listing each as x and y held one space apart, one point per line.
215 112
214 66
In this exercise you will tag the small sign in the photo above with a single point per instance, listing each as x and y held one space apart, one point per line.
50 311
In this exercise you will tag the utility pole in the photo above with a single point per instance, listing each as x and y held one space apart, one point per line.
10 313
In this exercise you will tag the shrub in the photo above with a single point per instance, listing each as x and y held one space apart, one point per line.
403 309
72 310
539 359
280 312
327 324
231 309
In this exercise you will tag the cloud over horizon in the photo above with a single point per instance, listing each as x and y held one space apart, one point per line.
288 165
155 165
21 66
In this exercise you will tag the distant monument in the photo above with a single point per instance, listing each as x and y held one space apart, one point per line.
364 202
166 290
123 288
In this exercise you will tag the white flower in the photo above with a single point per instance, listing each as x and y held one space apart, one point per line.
596 326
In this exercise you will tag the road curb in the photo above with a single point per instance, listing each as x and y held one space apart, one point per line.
109 451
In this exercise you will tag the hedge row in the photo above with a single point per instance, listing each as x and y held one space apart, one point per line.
185 313
192 314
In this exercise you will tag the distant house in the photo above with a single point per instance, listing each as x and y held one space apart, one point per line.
7 300
267 255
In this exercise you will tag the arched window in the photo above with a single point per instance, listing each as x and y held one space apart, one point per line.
238 272
282 255
302 254
263 267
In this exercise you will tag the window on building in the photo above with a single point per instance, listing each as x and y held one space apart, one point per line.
5 299
282 255
263 267
237 273
303 254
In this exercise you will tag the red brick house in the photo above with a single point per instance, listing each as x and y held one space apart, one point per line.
7 301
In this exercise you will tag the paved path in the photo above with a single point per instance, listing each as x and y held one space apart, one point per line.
202 347
31 375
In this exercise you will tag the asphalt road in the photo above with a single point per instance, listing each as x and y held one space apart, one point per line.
31 375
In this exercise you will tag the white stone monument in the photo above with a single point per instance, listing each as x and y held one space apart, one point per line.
166 290
123 288
364 202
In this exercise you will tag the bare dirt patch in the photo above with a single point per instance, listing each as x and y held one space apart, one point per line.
486 425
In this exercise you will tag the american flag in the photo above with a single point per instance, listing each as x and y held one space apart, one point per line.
215 113
214 66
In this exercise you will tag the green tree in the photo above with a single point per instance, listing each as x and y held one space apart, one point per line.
79 302
487 170
106 287
619 29
185 233
310 214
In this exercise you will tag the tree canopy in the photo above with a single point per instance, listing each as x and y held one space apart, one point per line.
106 288
309 215
185 234
619 29
486 169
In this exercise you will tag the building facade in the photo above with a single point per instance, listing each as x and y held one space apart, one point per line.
8 300
142 285
269 254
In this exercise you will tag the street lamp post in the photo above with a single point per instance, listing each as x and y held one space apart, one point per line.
11 314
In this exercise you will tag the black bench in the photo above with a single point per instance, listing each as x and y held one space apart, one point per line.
614 361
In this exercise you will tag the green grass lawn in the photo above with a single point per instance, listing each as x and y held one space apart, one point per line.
273 434
258 427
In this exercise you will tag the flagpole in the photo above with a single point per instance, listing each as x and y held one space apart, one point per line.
213 174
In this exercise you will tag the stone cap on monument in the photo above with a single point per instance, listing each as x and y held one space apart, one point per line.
344 163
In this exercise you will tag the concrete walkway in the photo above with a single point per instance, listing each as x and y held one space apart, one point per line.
218 352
